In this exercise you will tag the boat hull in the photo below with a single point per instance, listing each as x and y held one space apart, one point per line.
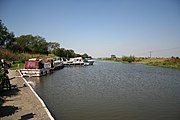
58 65
33 72
91 62
73 64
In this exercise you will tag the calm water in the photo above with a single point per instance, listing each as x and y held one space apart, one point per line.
112 91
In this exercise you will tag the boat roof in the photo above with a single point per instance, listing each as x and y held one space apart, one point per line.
35 59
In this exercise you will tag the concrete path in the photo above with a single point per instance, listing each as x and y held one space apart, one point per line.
21 103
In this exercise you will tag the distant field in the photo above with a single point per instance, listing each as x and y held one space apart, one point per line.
173 62
163 62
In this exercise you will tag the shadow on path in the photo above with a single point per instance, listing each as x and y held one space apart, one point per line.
27 116
8 93
8 110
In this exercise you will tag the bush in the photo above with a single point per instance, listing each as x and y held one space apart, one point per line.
7 55
128 59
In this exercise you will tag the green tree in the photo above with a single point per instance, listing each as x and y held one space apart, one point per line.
85 56
59 52
6 37
30 44
70 53
24 43
53 46
129 59
40 45
77 55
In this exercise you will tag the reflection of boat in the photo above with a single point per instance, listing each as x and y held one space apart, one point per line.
74 61
34 67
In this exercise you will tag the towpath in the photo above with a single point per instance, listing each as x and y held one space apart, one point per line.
21 103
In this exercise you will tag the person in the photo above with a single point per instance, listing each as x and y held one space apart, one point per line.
5 79
5 66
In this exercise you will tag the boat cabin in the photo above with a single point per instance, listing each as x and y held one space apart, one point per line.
34 64
50 61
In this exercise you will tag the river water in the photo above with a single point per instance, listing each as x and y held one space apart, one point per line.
112 91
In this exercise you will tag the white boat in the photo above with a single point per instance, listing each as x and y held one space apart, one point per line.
53 64
49 65
86 63
90 61
74 61
58 64
34 67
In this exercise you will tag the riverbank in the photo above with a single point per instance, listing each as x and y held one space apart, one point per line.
21 102
173 62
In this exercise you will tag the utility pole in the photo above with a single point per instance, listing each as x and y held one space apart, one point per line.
150 53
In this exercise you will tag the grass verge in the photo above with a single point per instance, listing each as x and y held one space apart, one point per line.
160 62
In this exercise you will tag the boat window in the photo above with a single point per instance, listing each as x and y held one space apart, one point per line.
41 65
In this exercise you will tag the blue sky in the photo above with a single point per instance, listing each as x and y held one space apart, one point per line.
99 27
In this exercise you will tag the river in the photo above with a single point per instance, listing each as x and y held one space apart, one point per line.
111 91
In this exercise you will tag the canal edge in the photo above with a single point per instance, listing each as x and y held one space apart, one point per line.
40 100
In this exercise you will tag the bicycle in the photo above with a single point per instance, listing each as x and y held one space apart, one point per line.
6 81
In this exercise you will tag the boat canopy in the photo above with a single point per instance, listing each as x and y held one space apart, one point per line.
34 64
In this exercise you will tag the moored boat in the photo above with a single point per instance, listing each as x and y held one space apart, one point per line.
90 61
58 64
74 61
86 63
53 64
34 67
49 65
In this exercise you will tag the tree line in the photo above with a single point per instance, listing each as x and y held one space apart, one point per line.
32 44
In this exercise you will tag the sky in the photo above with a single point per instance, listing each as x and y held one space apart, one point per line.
99 28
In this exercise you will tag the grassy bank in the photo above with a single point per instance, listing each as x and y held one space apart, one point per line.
19 63
166 63
173 62
112 59
18 59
